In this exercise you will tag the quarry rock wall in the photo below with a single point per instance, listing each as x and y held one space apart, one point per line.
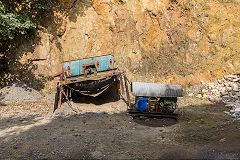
168 41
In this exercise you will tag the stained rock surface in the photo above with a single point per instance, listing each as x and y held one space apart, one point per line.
168 41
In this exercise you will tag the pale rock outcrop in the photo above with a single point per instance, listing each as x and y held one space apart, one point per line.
168 41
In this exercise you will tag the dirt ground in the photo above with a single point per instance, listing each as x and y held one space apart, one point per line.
106 131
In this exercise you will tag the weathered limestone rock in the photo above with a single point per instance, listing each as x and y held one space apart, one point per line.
235 88
236 80
167 41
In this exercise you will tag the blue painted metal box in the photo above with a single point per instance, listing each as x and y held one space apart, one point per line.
89 65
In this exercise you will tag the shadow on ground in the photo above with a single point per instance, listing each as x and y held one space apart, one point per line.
201 132
155 122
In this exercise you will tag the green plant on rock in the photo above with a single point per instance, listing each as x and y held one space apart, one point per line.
185 94
201 92
17 17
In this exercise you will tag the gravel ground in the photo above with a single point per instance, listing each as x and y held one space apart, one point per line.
107 131
18 93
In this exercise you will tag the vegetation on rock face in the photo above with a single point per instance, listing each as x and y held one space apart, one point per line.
20 21
17 17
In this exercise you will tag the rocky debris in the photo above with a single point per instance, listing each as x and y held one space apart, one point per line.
49 97
235 110
38 110
27 109
44 109
18 93
64 111
96 155
226 90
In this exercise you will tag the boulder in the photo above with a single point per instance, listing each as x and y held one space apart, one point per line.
237 110
199 96
230 105
236 80
235 88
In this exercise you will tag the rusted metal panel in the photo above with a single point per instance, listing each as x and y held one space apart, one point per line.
109 74
89 65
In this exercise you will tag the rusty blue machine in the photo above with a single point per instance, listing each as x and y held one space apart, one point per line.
89 76
92 76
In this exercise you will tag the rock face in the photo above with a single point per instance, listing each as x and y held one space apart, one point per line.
168 41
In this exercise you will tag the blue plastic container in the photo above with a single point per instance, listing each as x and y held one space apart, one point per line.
141 103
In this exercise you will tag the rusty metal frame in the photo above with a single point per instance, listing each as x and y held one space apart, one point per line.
112 73
66 81
123 83
133 112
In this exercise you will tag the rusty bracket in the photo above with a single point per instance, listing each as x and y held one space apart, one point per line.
69 103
